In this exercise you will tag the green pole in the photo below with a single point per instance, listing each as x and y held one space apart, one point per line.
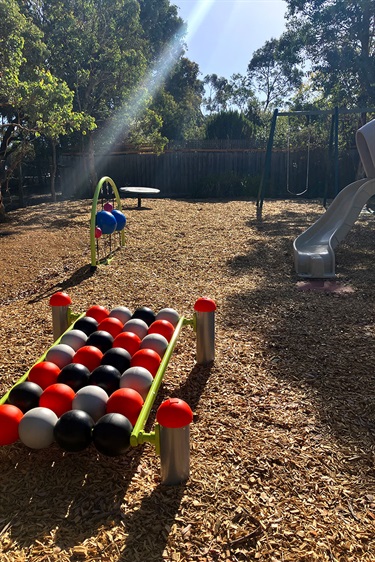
93 215
267 162
136 436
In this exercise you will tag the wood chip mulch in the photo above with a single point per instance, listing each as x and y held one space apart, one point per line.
282 443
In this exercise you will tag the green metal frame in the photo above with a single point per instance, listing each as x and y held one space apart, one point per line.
138 435
105 179
335 113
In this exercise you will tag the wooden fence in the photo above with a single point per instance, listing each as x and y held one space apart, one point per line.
212 172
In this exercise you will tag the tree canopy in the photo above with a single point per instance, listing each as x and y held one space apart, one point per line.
90 71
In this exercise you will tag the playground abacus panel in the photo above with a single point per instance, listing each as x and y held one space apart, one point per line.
96 385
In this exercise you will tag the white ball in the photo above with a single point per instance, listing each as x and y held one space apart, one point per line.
137 378
137 326
74 338
36 428
122 313
60 354
92 400
157 342
168 314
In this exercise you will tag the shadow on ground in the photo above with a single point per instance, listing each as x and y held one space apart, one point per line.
319 342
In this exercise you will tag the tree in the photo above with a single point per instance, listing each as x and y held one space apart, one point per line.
235 94
32 101
274 72
339 39
103 50
228 125
218 93
179 102
47 107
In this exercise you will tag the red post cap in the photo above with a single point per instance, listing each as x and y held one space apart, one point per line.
205 304
174 413
60 299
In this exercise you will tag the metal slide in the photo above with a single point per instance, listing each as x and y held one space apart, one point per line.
314 249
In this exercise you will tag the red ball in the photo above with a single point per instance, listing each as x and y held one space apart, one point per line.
10 417
89 356
98 232
44 373
58 398
97 312
128 341
127 402
162 327
147 358
111 325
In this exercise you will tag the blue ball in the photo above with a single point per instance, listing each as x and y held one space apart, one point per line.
106 222
120 219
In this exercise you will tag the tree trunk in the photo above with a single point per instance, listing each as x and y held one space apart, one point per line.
2 208
20 187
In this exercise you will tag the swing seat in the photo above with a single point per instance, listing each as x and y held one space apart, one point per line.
314 249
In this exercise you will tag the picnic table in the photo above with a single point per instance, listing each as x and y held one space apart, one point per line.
140 192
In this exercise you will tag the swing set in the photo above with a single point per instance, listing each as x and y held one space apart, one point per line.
333 150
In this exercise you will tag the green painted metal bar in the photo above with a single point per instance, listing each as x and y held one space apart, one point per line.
267 163
137 436
42 358
341 111
93 215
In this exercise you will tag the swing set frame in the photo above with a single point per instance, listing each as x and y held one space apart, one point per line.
333 146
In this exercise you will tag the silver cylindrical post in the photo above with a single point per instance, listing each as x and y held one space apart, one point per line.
60 313
204 311
174 417
174 454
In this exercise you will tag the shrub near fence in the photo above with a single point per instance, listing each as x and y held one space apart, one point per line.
211 172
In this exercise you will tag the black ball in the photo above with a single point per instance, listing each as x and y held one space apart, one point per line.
73 430
25 395
100 339
111 434
145 314
107 377
117 357
86 324
74 375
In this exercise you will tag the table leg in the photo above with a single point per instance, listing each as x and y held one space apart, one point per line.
139 203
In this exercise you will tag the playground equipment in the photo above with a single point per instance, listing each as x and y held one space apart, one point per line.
105 222
333 149
314 249
71 404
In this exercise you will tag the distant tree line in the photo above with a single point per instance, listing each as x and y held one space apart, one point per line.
91 75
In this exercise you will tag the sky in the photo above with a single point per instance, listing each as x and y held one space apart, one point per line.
223 34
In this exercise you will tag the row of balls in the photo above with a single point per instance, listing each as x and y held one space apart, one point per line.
97 382
109 220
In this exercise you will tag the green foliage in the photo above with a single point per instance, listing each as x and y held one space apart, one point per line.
274 72
339 39
46 104
228 125
179 101
233 94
